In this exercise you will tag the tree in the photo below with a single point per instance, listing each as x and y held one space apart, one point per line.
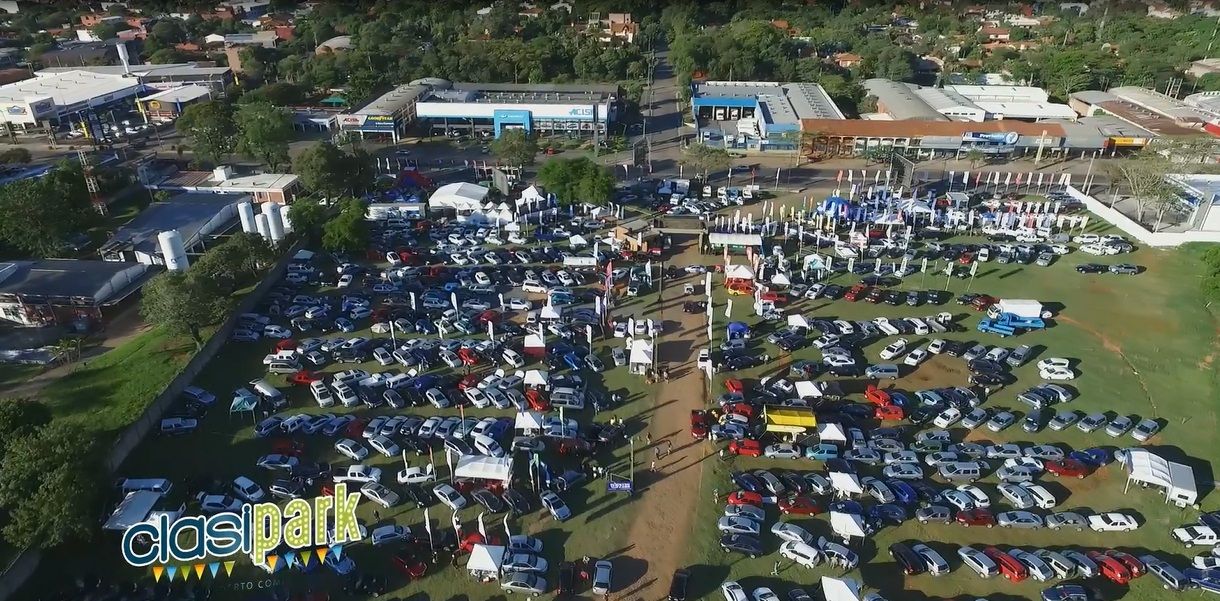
166 56
308 217
515 148
324 168
1144 175
235 262
704 159
15 155
183 304
210 127
577 180
976 157
40 214
19 417
105 31
348 231
264 132
51 486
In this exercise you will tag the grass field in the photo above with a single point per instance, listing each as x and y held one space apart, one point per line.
1146 345
225 448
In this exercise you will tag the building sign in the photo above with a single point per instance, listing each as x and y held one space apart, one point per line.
980 137
1129 141
488 110
378 123
613 485
16 109
351 120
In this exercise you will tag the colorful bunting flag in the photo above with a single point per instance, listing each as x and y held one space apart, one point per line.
157 571
214 567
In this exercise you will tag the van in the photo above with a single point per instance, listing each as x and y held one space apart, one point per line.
533 288
396 381
880 371
568 397
487 445
345 394
161 486
960 471
268 392
283 367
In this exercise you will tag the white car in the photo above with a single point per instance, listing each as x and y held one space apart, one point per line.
247 489
916 357
210 504
1053 363
976 494
1057 374
1113 522
390 534
791 532
1043 499
894 349
936 347
279 332
359 473
802 554
733 591
351 449
379 494
385 446
449 496
947 418
785 450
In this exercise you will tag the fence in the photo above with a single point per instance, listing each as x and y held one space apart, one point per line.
1137 231
24 565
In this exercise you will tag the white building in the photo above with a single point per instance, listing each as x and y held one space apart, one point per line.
60 96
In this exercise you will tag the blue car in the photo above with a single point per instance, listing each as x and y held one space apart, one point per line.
888 513
1170 576
1065 592
748 482
1096 457
821 452
424 326
847 506
424 382
840 465
905 493
1208 580
926 491
345 325
573 361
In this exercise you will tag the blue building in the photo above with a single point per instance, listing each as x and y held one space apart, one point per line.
757 115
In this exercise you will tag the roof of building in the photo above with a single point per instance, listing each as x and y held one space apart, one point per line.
900 100
915 128
188 213
782 102
1094 97
1153 122
258 37
993 93
182 94
1028 110
941 98
339 42
149 71
258 182
1160 103
99 282
393 101
556 93
1112 126
1208 101
66 88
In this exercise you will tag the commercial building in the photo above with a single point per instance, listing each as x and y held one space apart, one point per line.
975 103
932 139
197 217
1096 102
578 110
169 104
162 174
163 77
60 291
388 115
755 115
56 98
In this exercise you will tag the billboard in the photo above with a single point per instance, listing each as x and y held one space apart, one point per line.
981 137
378 123
487 110
351 121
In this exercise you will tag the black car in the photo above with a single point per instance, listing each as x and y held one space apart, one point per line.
791 343
914 298
923 415
420 447
370 585
1034 421
517 501
742 362
954 348
987 379
488 500
986 366
793 481
747 481
394 399
848 371
745 544
894 297
694 306
308 472
833 291
888 513
1124 269
678 585
421 497
1091 268
907 559
799 594
287 489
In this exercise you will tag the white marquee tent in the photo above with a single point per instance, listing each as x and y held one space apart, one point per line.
847 525
840 589
538 378
485 561
1176 479
739 272
641 356
831 432
528 420
845 484
482 467
461 197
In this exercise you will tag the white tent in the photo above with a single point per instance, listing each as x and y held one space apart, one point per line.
641 356
796 320
534 341
528 420
530 195
380 328
1176 479
840 589
550 312
537 377
845 484
780 279
512 227
134 509
806 389
485 560
831 432
461 197
482 467
577 241
847 525
739 272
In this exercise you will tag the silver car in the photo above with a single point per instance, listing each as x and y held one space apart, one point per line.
1019 519
1066 519
1119 425
602 577
523 582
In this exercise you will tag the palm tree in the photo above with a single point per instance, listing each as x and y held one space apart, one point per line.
975 156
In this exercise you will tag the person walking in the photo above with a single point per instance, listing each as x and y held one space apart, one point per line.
654 466
648 437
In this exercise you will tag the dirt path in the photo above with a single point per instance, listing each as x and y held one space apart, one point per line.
1113 347
667 503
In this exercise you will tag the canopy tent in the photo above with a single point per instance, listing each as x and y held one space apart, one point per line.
739 272
910 205
528 420
535 345
512 227
719 239
243 400
530 195
641 356
780 279
845 484
482 467
134 509
834 205
738 329
806 389
796 320
485 560
538 378
577 240
813 262
840 589
847 525
831 432
550 312
380 328
460 197
1176 479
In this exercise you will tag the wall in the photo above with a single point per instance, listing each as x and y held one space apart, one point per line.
21 568
1137 231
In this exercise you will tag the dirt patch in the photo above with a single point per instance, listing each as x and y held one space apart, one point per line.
666 504
1110 345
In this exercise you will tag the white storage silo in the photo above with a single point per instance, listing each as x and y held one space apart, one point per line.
284 219
274 224
260 221
245 210
173 250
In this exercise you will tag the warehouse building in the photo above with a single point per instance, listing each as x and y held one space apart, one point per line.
198 217
578 110
754 115
46 292
976 103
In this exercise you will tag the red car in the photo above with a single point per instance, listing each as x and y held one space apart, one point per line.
775 297
468 356
976 517
536 400
287 344
285 446
744 497
1010 566
1110 567
799 506
700 421
469 381
743 409
747 447
983 302
853 293
411 567
889 413
489 316
578 447
304 378
877 396
966 258
734 385
355 428
328 488
1136 566
1069 468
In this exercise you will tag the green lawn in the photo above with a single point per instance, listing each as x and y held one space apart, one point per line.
14 373
1146 345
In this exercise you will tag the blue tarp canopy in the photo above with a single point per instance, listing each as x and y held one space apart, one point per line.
738 329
